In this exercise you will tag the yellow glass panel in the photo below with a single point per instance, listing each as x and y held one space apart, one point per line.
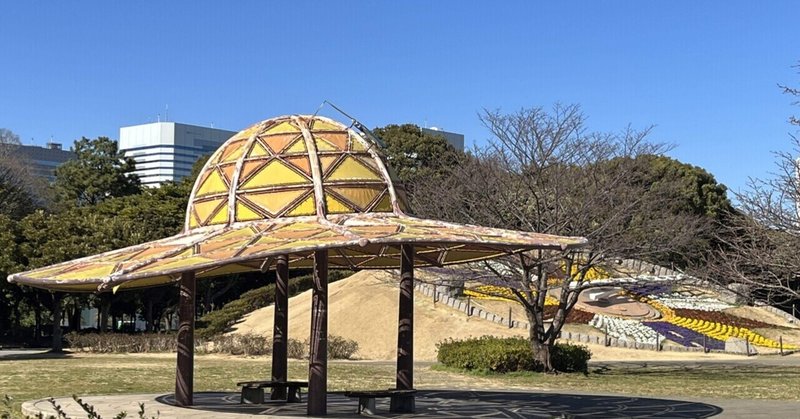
193 221
206 208
323 145
275 173
91 273
351 168
300 162
228 170
188 252
258 150
327 161
226 270
385 204
282 128
356 144
219 217
245 213
336 139
278 142
175 264
235 153
307 207
298 146
462 256
213 184
336 206
248 168
275 202
320 125
362 197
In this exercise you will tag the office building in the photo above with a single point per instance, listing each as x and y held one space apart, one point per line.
42 161
456 140
166 151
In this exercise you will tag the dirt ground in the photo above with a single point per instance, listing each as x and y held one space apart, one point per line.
363 308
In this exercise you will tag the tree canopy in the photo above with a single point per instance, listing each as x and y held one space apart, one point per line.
414 154
98 172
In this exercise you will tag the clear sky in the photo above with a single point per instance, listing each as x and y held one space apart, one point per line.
705 73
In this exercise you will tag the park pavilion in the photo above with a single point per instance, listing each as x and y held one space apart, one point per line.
293 192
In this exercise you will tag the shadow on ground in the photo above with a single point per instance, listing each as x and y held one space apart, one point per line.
485 404
28 354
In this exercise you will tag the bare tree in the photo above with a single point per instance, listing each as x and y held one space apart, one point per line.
545 172
18 187
758 253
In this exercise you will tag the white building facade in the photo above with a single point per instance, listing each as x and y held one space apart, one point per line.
166 151
456 140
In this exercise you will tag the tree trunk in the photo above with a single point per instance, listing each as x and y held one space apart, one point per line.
538 342
207 301
57 346
148 316
37 317
15 321
75 317
105 307
541 355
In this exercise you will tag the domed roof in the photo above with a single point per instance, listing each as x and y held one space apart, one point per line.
291 186
293 166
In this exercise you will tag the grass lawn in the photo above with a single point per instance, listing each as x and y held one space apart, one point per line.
93 374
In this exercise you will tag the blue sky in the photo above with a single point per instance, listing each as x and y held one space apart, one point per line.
705 73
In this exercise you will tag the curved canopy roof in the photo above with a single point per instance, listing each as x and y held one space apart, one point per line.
289 186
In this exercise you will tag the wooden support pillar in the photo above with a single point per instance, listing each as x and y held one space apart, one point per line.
318 353
184 375
280 330
405 330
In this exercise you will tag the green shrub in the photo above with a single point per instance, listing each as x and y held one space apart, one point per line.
341 348
502 355
121 342
567 357
247 344
220 321
296 349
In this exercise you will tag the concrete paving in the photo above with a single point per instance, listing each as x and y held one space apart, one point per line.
434 404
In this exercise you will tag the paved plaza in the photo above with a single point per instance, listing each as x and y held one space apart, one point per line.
434 404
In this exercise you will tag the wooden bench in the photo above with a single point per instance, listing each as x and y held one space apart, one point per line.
253 391
402 401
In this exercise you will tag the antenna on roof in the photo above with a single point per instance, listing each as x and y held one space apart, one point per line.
356 123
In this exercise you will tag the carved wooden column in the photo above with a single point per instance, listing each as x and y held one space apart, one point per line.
318 353
405 330
184 376
280 330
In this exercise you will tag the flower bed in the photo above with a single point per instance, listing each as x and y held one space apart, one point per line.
575 316
684 336
723 332
498 293
625 329
721 317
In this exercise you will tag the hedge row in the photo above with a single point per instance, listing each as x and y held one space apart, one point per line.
502 355
248 344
